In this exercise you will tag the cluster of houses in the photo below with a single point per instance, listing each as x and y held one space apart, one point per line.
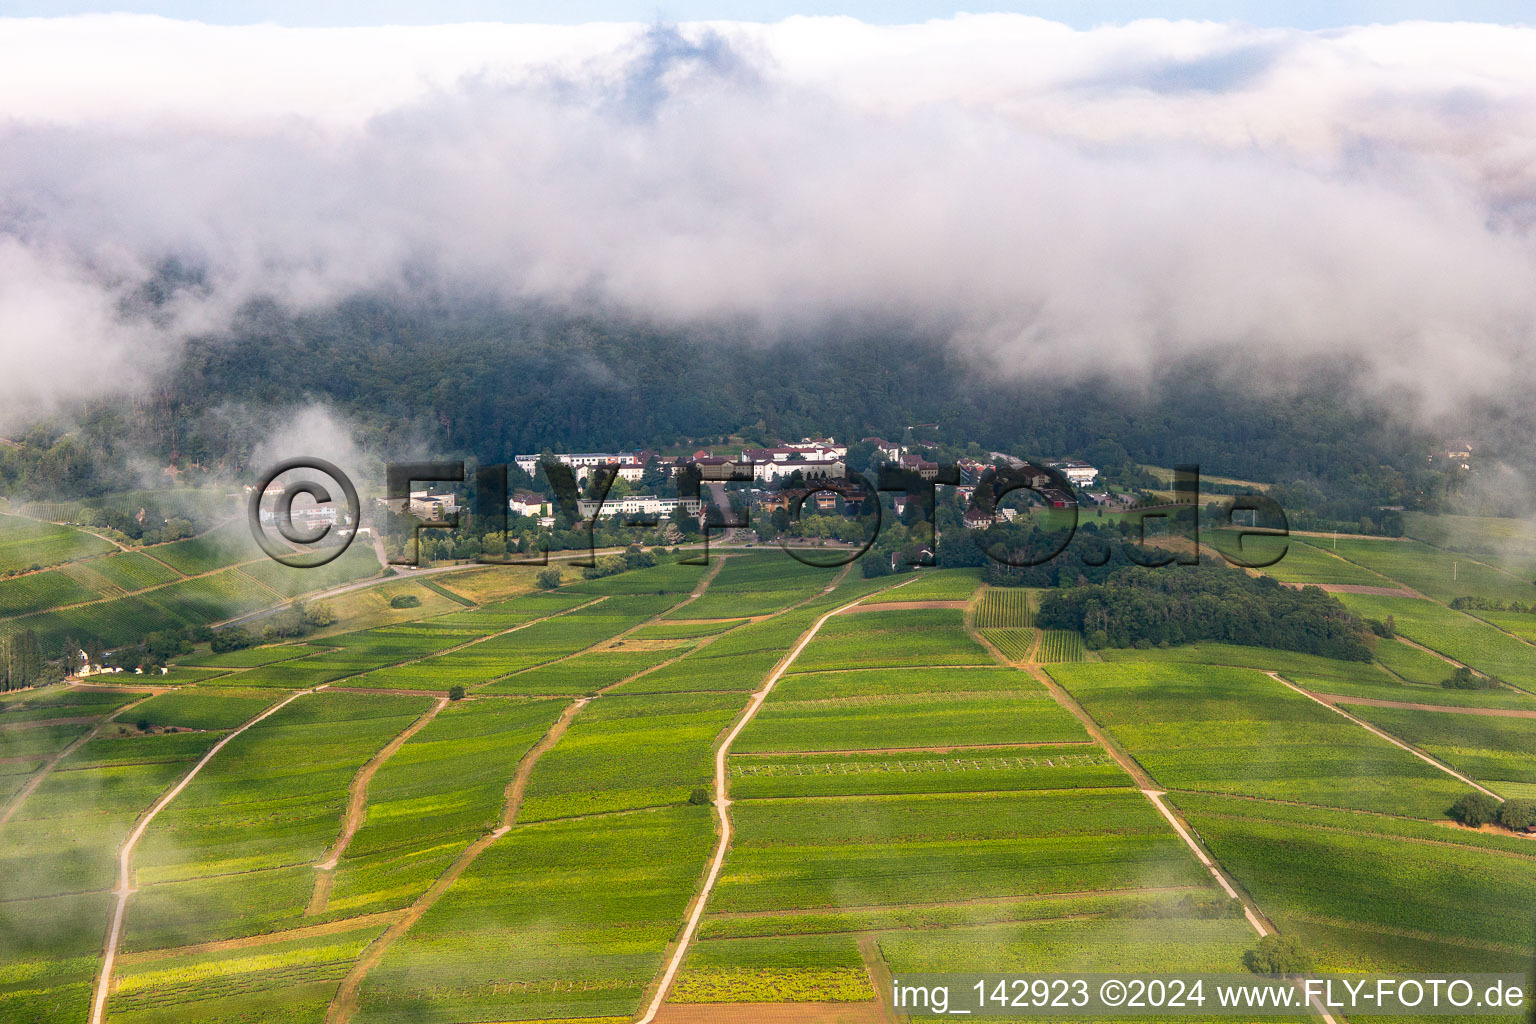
815 459
88 669
1455 452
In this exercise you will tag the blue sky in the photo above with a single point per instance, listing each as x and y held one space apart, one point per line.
1305 14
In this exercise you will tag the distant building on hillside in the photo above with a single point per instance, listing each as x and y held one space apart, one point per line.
628 465
530 503
1079 473
976 519
638 505
925 469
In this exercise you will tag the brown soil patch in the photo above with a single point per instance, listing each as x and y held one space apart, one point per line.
627 644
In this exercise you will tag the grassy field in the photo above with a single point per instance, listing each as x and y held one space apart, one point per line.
1441 575
129 595
627 752
1454 634
29 544
564 919
1316 562
1349 884
755 585
588 673
1388 688
232 855
899 795
1238 731
926 636
1487 748
934 585
900 850
991 769
444 788
908 721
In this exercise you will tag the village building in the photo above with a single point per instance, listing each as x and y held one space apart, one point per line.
638 505
1080 474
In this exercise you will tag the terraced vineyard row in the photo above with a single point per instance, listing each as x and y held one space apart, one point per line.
1061 645
1015 644
1006 608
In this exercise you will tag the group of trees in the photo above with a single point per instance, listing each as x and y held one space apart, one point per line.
295 620
1139 607
1463 678
145 525
1477 809
1490 604
633 557
22 663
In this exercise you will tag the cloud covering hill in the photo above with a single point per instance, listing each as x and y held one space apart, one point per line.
1055 201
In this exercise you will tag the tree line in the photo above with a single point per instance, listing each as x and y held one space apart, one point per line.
1140 607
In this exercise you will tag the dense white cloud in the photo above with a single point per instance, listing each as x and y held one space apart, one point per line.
1057 199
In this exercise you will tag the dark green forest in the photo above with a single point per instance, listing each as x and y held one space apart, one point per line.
470 378
1151 607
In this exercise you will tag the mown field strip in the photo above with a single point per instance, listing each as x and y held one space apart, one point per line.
1368 727
918 750
1377 702
723 803
265 939
125 857
1037 897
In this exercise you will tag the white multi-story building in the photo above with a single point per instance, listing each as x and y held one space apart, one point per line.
638 505
1079 473
577 460
810 468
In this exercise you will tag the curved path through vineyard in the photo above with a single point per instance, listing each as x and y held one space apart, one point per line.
125 857
723 804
